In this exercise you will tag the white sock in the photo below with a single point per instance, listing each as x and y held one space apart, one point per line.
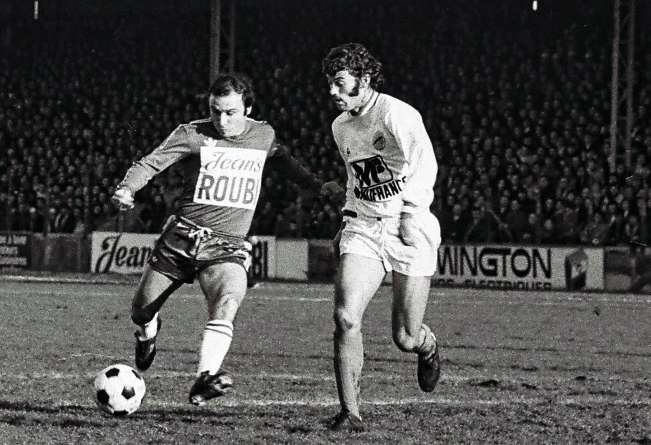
149 329
429 340
217 337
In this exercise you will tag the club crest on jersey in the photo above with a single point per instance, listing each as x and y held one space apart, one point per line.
210 142
379 142
375 181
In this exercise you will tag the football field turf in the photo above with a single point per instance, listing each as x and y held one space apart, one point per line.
518 367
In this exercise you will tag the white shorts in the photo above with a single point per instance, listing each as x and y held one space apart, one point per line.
373 238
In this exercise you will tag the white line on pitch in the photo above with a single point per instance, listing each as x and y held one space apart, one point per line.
329 401
262 375
168 375
464 301
453 379
456 297
587 400
285 298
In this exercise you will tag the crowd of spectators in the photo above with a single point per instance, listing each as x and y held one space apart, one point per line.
517 105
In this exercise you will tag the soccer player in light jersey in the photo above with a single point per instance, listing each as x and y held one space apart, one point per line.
222 158
387 222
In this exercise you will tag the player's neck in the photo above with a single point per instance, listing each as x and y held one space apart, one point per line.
239 134
366 103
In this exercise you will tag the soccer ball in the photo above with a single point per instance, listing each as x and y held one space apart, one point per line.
119 390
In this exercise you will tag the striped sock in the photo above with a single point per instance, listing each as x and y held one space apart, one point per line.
217 337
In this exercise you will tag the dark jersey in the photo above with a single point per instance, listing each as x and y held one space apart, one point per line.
221 176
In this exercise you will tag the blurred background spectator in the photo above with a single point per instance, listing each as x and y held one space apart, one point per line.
516 104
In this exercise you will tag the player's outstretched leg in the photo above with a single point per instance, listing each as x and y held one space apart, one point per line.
146 343
153 291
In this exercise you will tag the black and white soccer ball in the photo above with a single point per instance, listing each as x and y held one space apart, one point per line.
119 390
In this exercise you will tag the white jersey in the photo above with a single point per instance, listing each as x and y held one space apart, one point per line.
389 159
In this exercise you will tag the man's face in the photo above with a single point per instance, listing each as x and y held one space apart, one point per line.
228 113
346 90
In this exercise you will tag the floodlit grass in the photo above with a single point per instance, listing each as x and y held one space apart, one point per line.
517 368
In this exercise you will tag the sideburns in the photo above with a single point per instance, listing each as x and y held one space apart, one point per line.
355 91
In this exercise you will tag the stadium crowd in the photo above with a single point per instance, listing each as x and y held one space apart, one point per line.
517 105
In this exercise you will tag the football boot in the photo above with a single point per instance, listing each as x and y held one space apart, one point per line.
146 349
209 386
345 421
429 369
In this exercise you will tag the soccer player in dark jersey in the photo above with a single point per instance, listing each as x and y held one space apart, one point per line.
222 158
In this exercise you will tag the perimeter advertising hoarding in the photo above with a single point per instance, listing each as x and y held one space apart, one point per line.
628 269
127 253
521 267
15 250
124 253
292 259
263 257
490 266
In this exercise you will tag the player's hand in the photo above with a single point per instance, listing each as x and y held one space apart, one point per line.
123 199
409 231
331 188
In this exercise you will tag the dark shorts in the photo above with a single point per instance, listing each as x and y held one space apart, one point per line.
185 249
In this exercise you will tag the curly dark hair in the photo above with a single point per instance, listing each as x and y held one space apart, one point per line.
240 83
356 59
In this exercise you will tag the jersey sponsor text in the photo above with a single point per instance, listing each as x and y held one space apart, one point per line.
375 181
229 177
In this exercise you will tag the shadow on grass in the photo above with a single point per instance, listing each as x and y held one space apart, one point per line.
45 409
25 414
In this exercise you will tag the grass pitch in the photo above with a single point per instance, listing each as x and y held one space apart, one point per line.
517 368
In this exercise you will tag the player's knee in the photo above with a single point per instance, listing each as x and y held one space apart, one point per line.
224 307
345 321
404 341
141 315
